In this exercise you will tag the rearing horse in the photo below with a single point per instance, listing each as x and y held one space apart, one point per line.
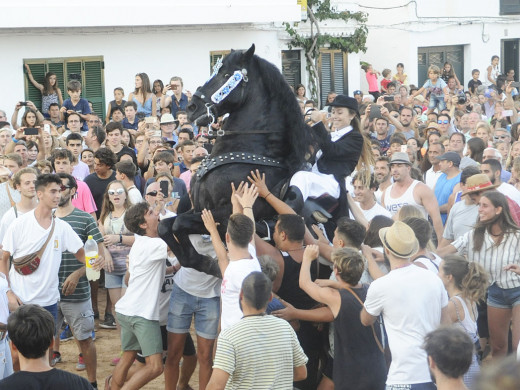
265 130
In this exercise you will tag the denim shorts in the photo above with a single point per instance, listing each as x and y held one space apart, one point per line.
438 102
182 308
503 298
53 309
114 281
414 386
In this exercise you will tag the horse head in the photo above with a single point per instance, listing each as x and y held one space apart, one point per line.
224 91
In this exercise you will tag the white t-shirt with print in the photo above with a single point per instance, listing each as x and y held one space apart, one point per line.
236 272
410 300
147 266
26 236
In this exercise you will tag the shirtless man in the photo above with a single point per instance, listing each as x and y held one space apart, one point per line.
407 191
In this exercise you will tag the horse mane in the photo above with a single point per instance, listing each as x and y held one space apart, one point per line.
299 133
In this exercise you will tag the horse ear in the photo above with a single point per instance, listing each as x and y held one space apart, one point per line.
248 54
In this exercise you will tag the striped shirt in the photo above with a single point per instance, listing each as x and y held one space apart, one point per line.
259 352
493 257
84 225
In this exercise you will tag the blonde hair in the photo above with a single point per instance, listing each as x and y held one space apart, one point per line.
349 264
435 69
470 277
483 125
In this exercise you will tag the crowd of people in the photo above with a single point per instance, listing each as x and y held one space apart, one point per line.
419 278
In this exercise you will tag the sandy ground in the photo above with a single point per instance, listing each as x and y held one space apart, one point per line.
108 347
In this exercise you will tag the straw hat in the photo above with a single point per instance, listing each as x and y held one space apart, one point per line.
478 183
399 239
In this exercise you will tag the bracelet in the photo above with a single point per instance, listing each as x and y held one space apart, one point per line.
120 238
267 195
176 164
247 207
15 140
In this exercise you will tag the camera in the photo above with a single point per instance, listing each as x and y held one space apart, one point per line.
462 99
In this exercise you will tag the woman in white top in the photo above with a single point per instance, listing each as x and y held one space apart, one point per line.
117 239
494 243
466 284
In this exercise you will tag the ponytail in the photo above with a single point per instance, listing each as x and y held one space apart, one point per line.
475 283
471 278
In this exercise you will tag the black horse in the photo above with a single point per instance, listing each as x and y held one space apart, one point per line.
265 130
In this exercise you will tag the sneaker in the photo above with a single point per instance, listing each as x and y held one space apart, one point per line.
109 323
56 358
66 335
81 363
115 361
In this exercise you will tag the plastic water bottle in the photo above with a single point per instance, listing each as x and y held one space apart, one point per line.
91 256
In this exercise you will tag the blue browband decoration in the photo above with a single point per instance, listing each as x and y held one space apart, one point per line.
216 68
224 91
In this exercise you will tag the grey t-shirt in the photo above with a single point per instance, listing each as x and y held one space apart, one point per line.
461 219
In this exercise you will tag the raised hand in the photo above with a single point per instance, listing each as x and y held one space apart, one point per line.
258 180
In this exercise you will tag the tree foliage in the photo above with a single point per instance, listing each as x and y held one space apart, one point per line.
319 11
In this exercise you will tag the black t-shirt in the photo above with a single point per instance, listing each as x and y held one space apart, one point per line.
53 379
97 187
127 150
473 85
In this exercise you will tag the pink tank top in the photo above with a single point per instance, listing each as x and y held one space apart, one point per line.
372 82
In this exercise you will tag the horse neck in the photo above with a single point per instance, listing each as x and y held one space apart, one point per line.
256 114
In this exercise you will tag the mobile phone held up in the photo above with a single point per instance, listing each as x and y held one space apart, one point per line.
164 188
30 131
23 104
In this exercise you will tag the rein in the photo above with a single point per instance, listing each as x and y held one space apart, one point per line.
222 132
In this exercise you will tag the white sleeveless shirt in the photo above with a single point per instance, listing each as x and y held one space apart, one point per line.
393 205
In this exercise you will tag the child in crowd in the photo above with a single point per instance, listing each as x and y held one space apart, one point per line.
371 76
118 102
75 104
436 87
474 82
387 74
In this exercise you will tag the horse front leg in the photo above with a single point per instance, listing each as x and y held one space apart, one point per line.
175 233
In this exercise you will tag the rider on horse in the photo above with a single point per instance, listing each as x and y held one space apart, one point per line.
339 153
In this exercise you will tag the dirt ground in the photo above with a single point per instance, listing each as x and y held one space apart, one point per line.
108 347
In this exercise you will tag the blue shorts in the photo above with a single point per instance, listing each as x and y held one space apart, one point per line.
436 101
414 386
114 281
503 298
53 309
182 308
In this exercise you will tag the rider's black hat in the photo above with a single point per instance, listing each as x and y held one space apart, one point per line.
345 101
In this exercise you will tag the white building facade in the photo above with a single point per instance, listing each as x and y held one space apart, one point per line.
422 32
107 42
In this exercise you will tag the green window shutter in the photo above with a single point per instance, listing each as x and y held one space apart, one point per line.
31 92
72 67
326 75
57 68
93 88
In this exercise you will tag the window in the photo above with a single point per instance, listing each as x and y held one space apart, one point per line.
509 7
333 73
88 70
438 55
214 57
292 67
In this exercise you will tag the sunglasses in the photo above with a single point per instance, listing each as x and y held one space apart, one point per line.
445 121
152 193
119 191
63 188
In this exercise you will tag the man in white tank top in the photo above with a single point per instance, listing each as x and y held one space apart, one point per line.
407 191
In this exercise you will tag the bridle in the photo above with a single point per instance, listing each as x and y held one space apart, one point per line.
221 93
